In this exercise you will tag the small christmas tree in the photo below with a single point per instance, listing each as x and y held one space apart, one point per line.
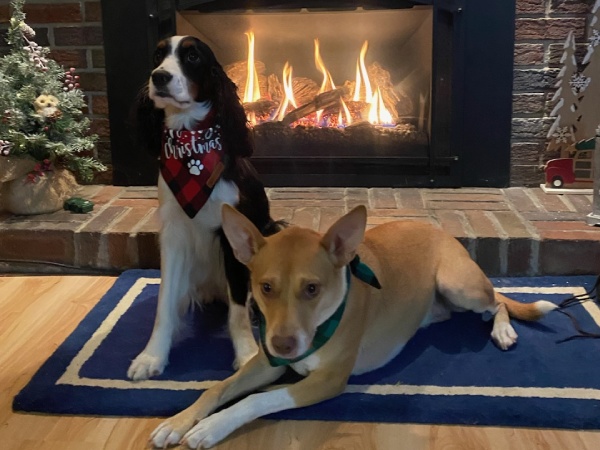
578 91
41 106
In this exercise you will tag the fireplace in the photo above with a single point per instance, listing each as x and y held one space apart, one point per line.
342 93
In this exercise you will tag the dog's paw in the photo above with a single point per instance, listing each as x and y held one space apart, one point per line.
145 366
170 432
504 335
209 432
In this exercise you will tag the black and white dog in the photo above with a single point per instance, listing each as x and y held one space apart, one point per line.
204 164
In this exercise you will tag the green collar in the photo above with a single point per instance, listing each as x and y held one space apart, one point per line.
327 328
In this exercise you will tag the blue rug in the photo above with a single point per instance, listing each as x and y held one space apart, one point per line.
449 373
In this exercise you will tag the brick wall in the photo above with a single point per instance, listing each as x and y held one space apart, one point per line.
73 31
541 29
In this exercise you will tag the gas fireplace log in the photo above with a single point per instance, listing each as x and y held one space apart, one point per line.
321 101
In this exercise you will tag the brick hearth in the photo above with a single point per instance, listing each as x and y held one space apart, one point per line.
514 231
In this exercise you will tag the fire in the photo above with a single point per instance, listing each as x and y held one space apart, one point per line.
288 90
361 74
252 91
347 118
327 83
364 93
378 113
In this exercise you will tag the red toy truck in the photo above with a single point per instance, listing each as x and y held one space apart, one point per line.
574 171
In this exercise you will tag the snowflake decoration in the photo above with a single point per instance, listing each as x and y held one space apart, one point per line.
5 148
562 134
595 38
579 83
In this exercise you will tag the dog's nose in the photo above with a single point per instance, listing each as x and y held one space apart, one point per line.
161 78
284 345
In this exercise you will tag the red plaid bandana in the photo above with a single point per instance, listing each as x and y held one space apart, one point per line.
191 163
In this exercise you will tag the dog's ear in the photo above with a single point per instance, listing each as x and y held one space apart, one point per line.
243 236
344 236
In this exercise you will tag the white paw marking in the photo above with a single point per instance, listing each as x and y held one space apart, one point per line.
504 335
145 366
166 434
195 167
209 432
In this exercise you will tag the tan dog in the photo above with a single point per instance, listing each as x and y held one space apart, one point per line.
300 279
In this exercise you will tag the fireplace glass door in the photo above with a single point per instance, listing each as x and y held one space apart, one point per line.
342 93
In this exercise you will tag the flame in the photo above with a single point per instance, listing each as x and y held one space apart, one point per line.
252 91
378 113
361 74
327 83
288 90
347 115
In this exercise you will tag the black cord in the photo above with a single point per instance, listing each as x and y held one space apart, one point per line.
590 295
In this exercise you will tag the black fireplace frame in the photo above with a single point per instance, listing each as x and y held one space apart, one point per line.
473 43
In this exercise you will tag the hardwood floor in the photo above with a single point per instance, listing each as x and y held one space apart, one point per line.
38 313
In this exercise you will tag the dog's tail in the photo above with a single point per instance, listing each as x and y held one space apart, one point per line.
525 311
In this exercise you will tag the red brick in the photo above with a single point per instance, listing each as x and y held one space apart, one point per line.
531 6
528 54
130 220
520 200
106 194
550 202
382 198
98 58
78 36
100 126
409 198
53 13
93 81
569 253
104 219
4 14
328 216
581 203
512 224
278 213
136 202
459 196
485 206
565 226
397 213
379 220
481 224
354 197
93 12
69 58
549 28
307 217
528 103
138 192
148 243
306 194
122 251
519 258
315 203
37 244
488 255
569 6
453 222
100 105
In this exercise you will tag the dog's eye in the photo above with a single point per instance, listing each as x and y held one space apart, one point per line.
266 288
158 57
311 290
193 57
